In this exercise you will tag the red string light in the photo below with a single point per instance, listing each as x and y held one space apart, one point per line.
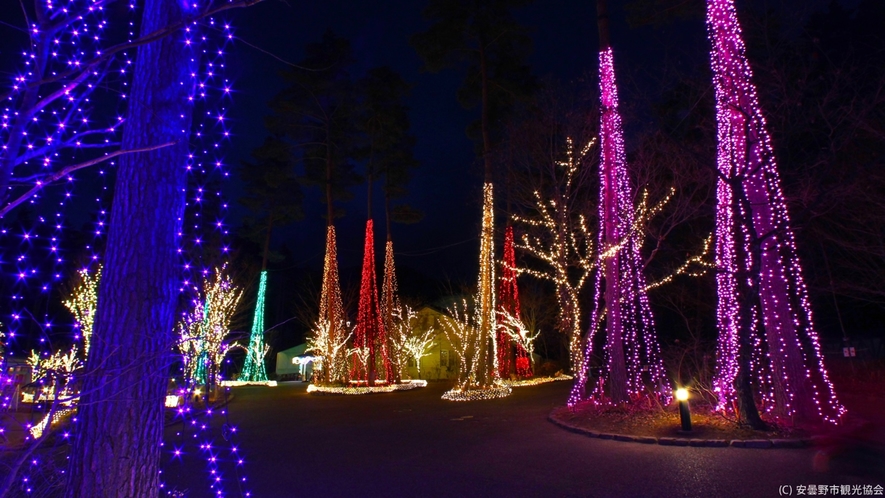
508 302
369 336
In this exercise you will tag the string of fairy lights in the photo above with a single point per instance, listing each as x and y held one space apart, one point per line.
566 248
47 125
58 129
41 131
633 364
369 333
204 249
786 360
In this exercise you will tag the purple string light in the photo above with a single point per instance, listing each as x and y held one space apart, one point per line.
632 357
756 250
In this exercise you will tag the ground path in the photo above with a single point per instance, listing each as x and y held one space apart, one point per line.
414 444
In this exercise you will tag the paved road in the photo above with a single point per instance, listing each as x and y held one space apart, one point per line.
414 444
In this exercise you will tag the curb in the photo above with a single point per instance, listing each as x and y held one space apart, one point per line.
695 443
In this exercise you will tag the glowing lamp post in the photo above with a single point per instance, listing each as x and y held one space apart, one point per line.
684 412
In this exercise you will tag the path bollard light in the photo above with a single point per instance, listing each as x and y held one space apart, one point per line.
684 412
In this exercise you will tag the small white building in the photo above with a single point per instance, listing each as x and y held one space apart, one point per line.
294 363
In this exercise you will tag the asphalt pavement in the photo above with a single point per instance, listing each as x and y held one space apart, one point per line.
412 443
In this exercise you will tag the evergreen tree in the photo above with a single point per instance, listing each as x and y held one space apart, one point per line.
482 39
273 193
318 114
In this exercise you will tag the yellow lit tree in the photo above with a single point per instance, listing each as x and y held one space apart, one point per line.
203 332
330 345
407 341
82 302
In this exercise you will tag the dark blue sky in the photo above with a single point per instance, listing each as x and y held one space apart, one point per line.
447 184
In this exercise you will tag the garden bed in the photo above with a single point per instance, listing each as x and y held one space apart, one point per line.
664 423
359 390
494 392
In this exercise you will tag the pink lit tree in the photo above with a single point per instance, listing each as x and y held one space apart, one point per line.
632 358
768 355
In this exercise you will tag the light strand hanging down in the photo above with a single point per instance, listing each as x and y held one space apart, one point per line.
762 294
633 364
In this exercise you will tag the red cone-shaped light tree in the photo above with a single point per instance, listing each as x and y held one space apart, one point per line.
508 303
370 343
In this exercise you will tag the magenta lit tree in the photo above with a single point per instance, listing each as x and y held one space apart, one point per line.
769 355
632 358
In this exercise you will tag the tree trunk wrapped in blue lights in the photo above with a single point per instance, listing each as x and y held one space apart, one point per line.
120 422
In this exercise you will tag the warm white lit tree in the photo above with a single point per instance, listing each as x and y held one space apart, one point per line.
330 345
190 345
559 238
204 331
518 332
408 342
460 325
82 302
54 370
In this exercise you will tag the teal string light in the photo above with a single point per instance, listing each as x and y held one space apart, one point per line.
201 372
253 368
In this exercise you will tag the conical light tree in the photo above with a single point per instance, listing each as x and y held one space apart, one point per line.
487 370
768 353
390 302
632 358
253 368
274 197
331 306
369 336
508 305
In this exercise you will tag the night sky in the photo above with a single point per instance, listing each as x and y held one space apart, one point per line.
447 184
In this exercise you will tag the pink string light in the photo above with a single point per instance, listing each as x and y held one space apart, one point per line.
756 251
633 365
